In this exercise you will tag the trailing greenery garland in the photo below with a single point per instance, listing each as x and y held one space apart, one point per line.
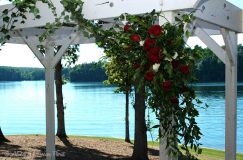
19 10
158 59
22 7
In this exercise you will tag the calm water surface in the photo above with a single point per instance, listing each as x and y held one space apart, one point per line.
93 109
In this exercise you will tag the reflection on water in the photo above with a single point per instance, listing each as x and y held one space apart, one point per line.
93 109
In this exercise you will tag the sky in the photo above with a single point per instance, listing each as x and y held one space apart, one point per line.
20 55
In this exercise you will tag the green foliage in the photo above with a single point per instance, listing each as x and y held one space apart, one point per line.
211 64
71 57
92 72
19 10
155 56
20 74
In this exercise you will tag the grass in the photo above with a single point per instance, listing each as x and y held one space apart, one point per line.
207 154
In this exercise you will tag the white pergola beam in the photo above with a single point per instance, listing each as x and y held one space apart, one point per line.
218 12
31 22
33 48
69 41
210 43
168 5
60 40
229 46
60 36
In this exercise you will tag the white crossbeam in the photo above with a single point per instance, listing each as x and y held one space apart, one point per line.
64 47
60 36
33 48
210 43
229 46
218 12
168 5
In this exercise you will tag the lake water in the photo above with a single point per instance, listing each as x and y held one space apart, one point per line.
94 110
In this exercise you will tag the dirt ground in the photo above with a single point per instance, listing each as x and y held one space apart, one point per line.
33 147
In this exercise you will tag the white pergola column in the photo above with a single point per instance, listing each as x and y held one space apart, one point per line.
50 104
49 61
230 39
229 57
163 151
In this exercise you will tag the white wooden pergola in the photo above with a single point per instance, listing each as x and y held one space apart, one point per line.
212 17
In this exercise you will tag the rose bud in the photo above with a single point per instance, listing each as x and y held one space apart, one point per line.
129 47
167 85
183 89
149 76
184 69
174 100
126 28
136 65
175 64
135 38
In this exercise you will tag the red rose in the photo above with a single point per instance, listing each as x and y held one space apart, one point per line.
174 100
149 76
136 65
167 85
155 30
175 63
148 43
126 28
154 54
135 38
184 69
129 47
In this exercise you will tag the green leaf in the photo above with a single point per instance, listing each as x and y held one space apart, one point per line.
5 11
156 126
6 19
188 34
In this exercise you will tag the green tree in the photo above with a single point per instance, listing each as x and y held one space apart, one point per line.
88 72
70 58
117 70
117 51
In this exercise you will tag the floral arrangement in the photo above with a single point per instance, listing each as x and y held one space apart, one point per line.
160 60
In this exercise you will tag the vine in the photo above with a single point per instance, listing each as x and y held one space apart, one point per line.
159 59
19 10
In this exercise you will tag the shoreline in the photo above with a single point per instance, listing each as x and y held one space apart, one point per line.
150 143
87 147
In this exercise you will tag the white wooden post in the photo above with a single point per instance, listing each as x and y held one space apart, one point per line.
49 61
163 152
50 110
230 39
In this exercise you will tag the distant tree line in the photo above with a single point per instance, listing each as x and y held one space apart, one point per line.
210 69
21 74
88 72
